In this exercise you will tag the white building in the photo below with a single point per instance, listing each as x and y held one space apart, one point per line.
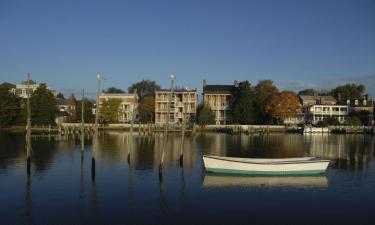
128 106
23 89
317 113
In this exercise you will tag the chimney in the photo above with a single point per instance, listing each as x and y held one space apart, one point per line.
235 83
204 83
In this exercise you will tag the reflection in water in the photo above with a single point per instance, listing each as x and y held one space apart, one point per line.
133 188
246 181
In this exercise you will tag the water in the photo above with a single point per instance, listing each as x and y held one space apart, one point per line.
62 190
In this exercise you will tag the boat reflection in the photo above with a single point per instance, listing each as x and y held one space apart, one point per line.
223 181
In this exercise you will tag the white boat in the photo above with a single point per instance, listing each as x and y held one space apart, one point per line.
223 181
285 166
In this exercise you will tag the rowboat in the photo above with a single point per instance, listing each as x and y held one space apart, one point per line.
223 181
258 166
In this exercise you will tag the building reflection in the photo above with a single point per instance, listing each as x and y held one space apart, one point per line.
346 151
146 150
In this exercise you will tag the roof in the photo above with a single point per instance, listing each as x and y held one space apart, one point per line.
315 98
116 95
61 101
218 88
177 90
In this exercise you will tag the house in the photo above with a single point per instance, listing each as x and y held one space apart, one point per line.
220 99
317 108
364 104
316 113
23 89
66 109
183 106
128 106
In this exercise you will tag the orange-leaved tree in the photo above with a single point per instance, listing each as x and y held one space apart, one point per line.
283 105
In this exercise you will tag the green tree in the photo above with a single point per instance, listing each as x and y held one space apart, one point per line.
113 90
308 91
205 115
363 116
7 86
146 108
244 111
87 114
9 107
43 106
144 87
60 95
110 110
348 91
264 91
352 121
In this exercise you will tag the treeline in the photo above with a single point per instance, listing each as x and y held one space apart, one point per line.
43 107
265 104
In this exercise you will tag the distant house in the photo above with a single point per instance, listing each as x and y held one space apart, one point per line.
220 99
66 109
364 104
183 106
23 89
128 105
317 108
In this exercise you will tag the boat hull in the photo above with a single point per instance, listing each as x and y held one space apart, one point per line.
224 165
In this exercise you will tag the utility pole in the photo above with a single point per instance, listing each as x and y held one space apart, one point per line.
130 142
182 133
28 127
83 120
99 78
167 124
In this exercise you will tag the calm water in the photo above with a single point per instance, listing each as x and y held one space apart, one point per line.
62 190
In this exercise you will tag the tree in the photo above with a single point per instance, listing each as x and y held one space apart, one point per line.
264 91
9 106
308 91
146 108
244 111
205 115
352 121
363 116
60 95
110 110
7 86
43 106
87 113
144 87
283 105
348 91
113 90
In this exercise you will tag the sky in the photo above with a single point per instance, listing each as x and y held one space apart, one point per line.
297 43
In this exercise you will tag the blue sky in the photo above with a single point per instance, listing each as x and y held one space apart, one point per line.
298 44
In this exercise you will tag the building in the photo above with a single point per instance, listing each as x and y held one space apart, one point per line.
364 104
23 89
220 99
317 113
128 105
66 110
183 105
308 100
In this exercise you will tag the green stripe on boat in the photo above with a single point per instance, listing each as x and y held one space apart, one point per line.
229 171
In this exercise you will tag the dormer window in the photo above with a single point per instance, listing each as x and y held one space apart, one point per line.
364 102
348 102
356 102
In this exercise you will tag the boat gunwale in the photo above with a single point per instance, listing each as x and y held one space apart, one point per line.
315 160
